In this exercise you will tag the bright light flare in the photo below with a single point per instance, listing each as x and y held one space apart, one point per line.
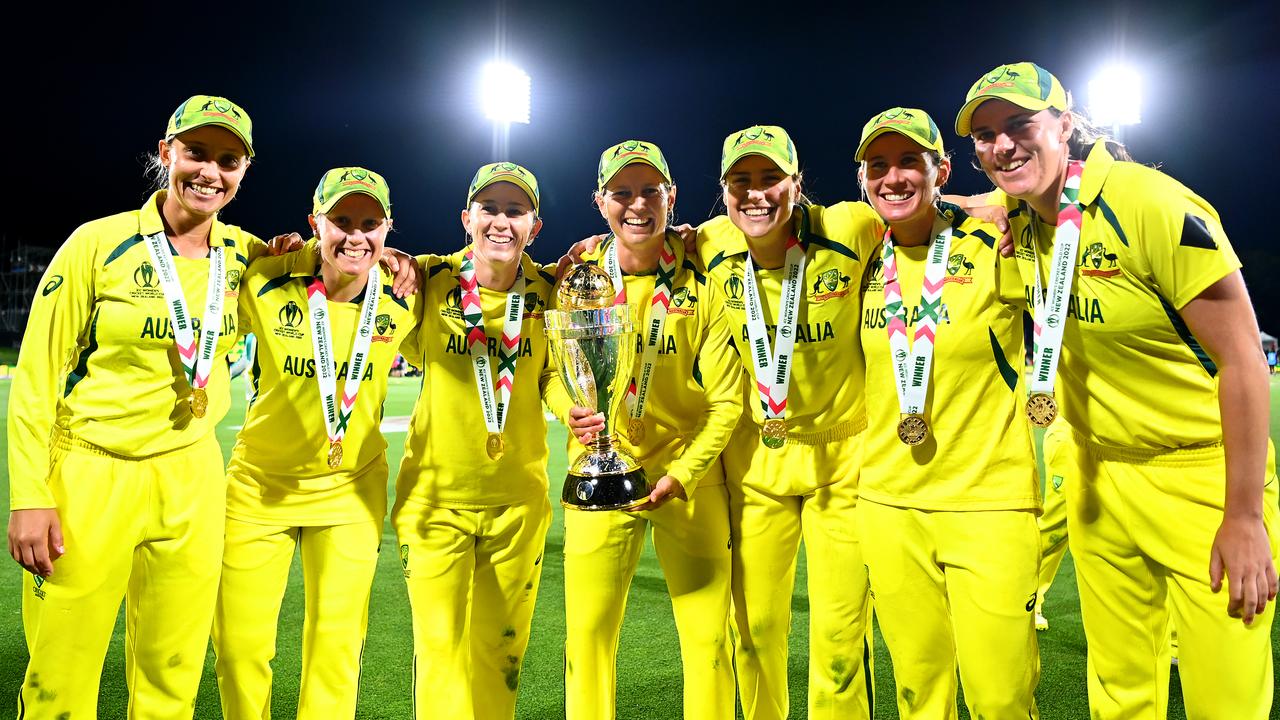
1115 96
504 93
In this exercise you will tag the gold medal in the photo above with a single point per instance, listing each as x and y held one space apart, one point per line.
494 445
335 454
199 402
1041 409
774 433
912 429
635 431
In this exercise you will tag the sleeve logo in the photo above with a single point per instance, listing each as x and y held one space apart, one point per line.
54 283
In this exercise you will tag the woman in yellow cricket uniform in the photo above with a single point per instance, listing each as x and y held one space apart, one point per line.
309 468
116 479
948 495
471 510
791 466
685 402
1163 383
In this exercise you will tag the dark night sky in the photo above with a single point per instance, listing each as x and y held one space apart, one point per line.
389 86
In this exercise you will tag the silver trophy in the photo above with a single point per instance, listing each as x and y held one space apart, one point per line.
593 344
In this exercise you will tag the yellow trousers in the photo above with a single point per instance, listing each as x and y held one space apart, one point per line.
148 531
601 551
338 562
1141 527
1053 521
821 486
956 589
472 577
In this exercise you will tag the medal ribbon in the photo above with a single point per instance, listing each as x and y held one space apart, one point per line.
336 416
197 357
773 372
638 390
912 361
1051 312
495 413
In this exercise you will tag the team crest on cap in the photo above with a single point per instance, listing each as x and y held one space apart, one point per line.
1002 77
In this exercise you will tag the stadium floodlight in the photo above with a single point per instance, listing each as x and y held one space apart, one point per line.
504 93
1115 97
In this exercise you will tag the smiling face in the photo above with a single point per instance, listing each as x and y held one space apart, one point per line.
760 197
902 179
1023 152
205 168
352 234
500 222
636 203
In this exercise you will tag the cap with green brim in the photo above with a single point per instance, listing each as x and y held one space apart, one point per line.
341 182
627 153
504 172
768 141
913 123
200 110
1024 84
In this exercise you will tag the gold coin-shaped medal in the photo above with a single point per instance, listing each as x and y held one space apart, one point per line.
494 445
1041 409
774 433
199 402
335 454
912 429
635 431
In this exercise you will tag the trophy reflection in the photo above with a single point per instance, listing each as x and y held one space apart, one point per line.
593 343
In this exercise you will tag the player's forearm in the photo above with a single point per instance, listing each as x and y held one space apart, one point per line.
1244 400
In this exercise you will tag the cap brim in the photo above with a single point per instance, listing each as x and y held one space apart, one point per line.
862 147
333 201
963 120
227 126
725 171
533 198
633 161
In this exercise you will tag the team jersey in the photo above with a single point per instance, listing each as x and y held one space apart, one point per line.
279 473
979 454
98 360
825 397
695 396
445 464
1131 373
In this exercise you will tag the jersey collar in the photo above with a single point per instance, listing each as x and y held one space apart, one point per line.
1097 166
734 241
150 222
596 256
530 268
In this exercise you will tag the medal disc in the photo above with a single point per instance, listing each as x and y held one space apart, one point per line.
774 433
912 429
1041 409
635 431
199 402
335 455
494 445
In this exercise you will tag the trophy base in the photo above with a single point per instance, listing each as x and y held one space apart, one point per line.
608 480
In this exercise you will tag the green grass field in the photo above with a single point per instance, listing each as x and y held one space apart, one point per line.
649 669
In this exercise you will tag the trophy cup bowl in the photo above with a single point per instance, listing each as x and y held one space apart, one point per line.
593 344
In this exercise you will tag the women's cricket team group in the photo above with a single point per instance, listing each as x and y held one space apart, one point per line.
850 376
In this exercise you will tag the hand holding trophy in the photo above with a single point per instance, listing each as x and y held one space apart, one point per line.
593 344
